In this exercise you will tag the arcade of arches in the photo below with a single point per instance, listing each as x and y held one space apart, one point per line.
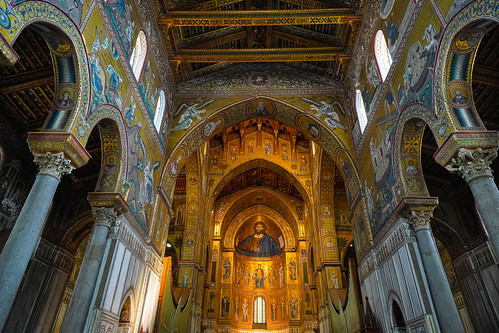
249 166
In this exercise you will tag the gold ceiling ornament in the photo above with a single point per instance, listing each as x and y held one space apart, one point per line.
261 55
259 17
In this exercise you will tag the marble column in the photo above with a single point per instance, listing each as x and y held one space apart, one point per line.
441 294
23 238
81 300
474 167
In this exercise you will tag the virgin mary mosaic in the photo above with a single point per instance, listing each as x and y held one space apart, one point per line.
259 244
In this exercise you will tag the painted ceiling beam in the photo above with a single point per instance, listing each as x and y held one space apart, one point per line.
261 55
259 17
485 75
26 80
310 34
308 3
298 39
211 4
206 37
222 40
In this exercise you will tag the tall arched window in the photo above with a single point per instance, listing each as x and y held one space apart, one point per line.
160 110
382 55
259 311
139 54
361 110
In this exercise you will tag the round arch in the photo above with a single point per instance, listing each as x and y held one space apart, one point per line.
66 44
452 96
314 129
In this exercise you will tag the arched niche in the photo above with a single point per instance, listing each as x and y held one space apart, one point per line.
396 312
125 321
247 218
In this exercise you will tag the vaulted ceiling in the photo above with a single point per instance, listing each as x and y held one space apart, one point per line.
206 36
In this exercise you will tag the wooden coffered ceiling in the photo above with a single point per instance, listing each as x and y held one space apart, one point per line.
202 37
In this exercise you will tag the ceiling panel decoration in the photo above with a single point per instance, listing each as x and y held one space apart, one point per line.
203 37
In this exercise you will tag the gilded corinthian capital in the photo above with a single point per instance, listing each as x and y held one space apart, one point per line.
472 163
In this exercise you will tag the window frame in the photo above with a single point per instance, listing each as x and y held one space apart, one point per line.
360 109
159 111
138 60
382 55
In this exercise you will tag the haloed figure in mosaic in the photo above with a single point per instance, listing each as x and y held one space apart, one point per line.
258 244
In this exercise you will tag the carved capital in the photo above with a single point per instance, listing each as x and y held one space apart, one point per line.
53 164
418 210
420 219
472 163
105 216
108 209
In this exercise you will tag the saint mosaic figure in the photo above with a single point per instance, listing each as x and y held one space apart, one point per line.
258 244
292 269
226 269
245 310
225 306
259 277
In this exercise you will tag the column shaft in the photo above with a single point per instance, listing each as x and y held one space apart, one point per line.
445 307
23 240
474 166
486 197
80 304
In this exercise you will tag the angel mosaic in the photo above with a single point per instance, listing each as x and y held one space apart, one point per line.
324 108
191 112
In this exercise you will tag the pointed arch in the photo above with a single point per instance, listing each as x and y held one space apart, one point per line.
453 94
408 144
176 155
114 146
66 44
